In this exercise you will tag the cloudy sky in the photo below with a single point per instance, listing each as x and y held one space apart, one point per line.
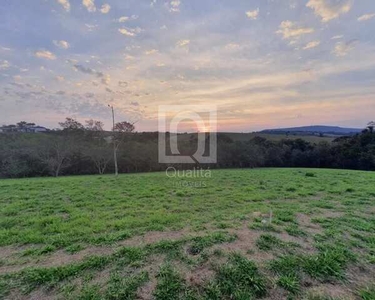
264 63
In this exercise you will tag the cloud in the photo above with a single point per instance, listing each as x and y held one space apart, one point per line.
232 47
366 17
328 10
152 51
129 31
311 45
65 4
290 30
123 19
45 54
105 8
4 65
90 5
5 48
342 49
253 14
337 37
62 44
174 6
87 70
182 43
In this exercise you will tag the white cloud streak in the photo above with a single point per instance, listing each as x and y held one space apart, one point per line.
366 17
45 54
328 10
253 14
65 4
311 45
290 30
182 43
342 49
90 5
62 44
105 8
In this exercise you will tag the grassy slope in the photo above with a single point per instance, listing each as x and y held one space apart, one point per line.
74 213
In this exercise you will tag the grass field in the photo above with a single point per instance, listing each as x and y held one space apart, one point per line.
240 234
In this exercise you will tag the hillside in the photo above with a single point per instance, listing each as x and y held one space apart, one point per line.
263 233
315 130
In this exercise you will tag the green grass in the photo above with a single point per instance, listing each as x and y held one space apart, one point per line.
367 293
43 218
269 242
238 279
170 284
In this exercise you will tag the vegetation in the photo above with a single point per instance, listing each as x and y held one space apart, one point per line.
80 149
244 234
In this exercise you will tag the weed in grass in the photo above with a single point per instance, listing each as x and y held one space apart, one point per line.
284 216
129 256
34 277
170 284
200 243
125 288
367 293
294 230
286 265
4 289
327 264
269 242
238 279
89 292
290 283
39 251
74 248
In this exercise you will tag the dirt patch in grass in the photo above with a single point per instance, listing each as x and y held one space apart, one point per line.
40 294
335 291
276 294
331 214
359 276
245 244
199 276
153 237
305 222
58 258
61 257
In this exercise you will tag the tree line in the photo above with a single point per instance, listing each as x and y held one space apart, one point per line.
79 149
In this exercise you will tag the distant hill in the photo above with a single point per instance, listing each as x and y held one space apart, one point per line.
315 130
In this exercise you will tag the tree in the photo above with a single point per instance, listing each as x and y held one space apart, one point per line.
124 127
55 154
100 155
97 149
120 130
94 125
371 126
71 124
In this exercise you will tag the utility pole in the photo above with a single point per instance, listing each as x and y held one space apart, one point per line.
114 140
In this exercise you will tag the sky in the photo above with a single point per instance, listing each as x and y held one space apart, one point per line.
264 63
